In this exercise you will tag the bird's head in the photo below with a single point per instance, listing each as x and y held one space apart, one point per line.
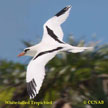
27 52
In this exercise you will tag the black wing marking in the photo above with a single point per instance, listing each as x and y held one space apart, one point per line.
62 11
31 88
49 51
51 33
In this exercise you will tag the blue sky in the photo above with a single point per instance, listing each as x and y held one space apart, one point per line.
24 19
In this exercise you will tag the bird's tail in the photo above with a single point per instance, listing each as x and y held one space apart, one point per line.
74 49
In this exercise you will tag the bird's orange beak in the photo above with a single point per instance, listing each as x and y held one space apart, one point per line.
21 54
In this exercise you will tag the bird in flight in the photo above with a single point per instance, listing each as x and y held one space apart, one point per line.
51 44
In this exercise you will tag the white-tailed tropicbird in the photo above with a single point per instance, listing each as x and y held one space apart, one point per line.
47 49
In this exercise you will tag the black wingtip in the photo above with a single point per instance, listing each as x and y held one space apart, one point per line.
31 88
63 10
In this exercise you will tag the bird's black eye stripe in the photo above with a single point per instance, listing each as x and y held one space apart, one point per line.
26 50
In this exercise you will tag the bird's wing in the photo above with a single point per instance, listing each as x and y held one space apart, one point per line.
36 70
52 28
34 77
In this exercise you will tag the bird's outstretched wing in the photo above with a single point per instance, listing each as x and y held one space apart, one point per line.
34 77
52 28
36 70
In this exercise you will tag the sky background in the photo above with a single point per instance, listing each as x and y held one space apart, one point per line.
24 19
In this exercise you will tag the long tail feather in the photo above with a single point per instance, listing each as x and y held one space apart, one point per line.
74 49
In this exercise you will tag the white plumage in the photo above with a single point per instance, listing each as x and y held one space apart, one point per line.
51 44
